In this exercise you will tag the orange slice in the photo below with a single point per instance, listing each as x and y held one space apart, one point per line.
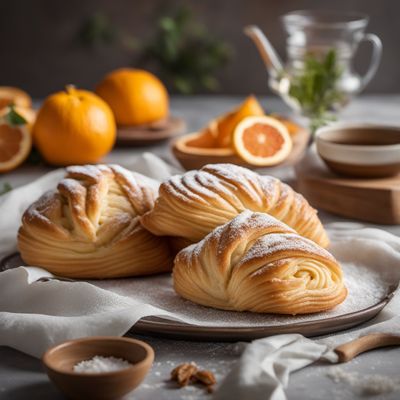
205 139
15 141
262 141
227 123
11 95
197 144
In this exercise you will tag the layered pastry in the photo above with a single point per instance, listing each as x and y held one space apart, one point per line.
191 205
89 227
257 263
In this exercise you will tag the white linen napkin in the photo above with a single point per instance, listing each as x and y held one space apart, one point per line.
36 315
264 367
263 370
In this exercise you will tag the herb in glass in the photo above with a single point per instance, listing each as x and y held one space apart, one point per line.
315 89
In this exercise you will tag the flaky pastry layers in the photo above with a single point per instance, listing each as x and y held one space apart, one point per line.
89 227
191 205
257 263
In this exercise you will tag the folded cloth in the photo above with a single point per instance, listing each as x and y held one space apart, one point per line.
262 373
41 314
264 367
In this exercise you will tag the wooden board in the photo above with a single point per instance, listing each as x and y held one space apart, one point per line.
142 135
371 200
194 161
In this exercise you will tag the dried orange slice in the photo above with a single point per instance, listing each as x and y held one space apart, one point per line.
227 123
262 141
11 95
15 140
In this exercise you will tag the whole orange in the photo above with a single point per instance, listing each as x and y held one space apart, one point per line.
136 96
74 127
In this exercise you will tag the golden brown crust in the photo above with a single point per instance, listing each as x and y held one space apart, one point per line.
193 204
257 263
89 227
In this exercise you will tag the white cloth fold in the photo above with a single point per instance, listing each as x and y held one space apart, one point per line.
264 367
45 313
263 371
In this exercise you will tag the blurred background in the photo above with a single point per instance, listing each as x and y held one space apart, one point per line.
195 46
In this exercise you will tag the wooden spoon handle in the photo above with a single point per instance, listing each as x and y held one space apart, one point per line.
348 351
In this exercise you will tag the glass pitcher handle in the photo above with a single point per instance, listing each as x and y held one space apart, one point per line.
375 58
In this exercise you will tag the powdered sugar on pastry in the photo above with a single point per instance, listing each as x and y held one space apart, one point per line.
90 226
191 205
257 263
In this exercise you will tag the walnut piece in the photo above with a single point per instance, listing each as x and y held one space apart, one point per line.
189 372
207 378
183 373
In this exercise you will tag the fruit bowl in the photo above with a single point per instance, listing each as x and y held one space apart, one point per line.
191 157
194 157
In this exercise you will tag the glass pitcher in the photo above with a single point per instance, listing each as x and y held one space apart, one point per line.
315 40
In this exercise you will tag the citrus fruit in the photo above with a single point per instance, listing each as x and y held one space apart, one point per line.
262 141
291 126
227 123
135 96
15 139
74 127
200 144
11 95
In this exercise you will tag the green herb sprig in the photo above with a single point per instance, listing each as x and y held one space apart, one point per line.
14 118
315 88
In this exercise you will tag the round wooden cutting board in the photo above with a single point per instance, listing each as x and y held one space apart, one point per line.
142 135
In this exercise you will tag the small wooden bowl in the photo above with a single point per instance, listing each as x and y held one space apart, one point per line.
360 150
60 360
198 157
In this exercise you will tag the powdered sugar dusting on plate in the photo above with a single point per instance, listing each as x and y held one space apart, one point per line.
366 288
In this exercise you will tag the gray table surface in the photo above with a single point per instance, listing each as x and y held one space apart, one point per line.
22 377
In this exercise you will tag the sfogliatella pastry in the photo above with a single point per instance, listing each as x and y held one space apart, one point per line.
89 227
191 205
257 263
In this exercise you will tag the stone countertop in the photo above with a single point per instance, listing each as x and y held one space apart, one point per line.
22 377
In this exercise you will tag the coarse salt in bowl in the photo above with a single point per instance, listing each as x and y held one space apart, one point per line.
98 367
